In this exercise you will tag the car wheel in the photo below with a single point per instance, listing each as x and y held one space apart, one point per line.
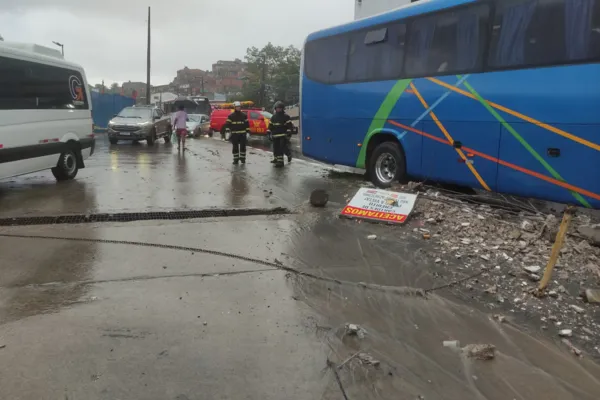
113 140
168 135
66 167
386 165
151 138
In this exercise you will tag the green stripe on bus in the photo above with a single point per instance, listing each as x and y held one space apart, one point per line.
381 117
516 135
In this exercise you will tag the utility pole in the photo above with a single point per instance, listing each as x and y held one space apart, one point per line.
202 77
148 64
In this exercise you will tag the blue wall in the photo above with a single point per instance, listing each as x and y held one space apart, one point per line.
104 106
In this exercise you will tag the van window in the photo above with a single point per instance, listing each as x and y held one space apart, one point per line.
448 42
28 85
254 115
544 32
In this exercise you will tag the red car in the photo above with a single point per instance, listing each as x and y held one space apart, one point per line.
258 119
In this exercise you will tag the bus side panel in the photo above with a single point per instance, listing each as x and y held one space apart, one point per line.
567 160
552 130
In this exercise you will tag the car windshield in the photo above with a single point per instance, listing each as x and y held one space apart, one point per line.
142 113
195 117
267 115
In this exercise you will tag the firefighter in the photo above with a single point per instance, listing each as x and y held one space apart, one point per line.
279 128
237 124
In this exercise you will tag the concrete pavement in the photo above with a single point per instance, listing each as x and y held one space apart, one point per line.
94 319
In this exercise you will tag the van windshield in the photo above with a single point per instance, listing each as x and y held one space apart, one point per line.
142 113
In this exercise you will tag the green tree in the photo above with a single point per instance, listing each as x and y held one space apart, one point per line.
273 73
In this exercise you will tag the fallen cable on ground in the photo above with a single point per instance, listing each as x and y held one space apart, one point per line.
406 291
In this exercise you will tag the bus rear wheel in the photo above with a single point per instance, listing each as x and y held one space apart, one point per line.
386 165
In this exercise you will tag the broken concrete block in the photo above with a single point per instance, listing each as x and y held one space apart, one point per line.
592 296
451 344
565 333
591 233
480 351
355 330
368 359
492 289
319 198
527 226
533 269
577 309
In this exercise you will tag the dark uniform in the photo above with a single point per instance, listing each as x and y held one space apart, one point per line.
237 123
280 128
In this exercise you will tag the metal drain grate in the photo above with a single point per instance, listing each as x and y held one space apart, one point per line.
140 216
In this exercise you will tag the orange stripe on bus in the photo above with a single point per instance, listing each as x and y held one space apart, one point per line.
504 163
521 116
449 137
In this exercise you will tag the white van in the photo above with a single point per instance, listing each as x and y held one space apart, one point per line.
45 112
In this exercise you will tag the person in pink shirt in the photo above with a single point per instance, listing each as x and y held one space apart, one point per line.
180 125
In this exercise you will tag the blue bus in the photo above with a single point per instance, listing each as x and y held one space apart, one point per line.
501 95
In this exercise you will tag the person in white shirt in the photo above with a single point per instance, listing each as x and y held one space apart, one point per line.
180 125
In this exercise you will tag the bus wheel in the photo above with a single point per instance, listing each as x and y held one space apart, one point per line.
386 165
66 168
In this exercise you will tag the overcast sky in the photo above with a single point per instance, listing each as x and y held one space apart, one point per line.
108 37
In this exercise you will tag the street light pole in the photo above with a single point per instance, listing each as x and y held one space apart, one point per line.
148 64
62 47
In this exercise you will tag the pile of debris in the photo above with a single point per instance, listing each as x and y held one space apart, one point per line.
510 251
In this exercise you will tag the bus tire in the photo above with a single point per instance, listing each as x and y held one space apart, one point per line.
67 166
386 165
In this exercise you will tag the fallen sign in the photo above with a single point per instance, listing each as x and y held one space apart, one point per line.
380 205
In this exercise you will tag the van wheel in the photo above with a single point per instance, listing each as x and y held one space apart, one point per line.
386 165
66 168
151 138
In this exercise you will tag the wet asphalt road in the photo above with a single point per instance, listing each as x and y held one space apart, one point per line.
91 319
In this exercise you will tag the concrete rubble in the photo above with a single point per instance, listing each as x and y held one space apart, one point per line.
510 251
368 359
483 352
355 330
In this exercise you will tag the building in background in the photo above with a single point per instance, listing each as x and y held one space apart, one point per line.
137 90
367 8
225 78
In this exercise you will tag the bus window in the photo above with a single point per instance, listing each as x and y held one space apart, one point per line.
531 33
448 42
326 59
377 54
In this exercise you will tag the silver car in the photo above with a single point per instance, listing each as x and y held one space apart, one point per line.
140 123
194 124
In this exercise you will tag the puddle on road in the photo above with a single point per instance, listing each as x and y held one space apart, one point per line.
406 333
